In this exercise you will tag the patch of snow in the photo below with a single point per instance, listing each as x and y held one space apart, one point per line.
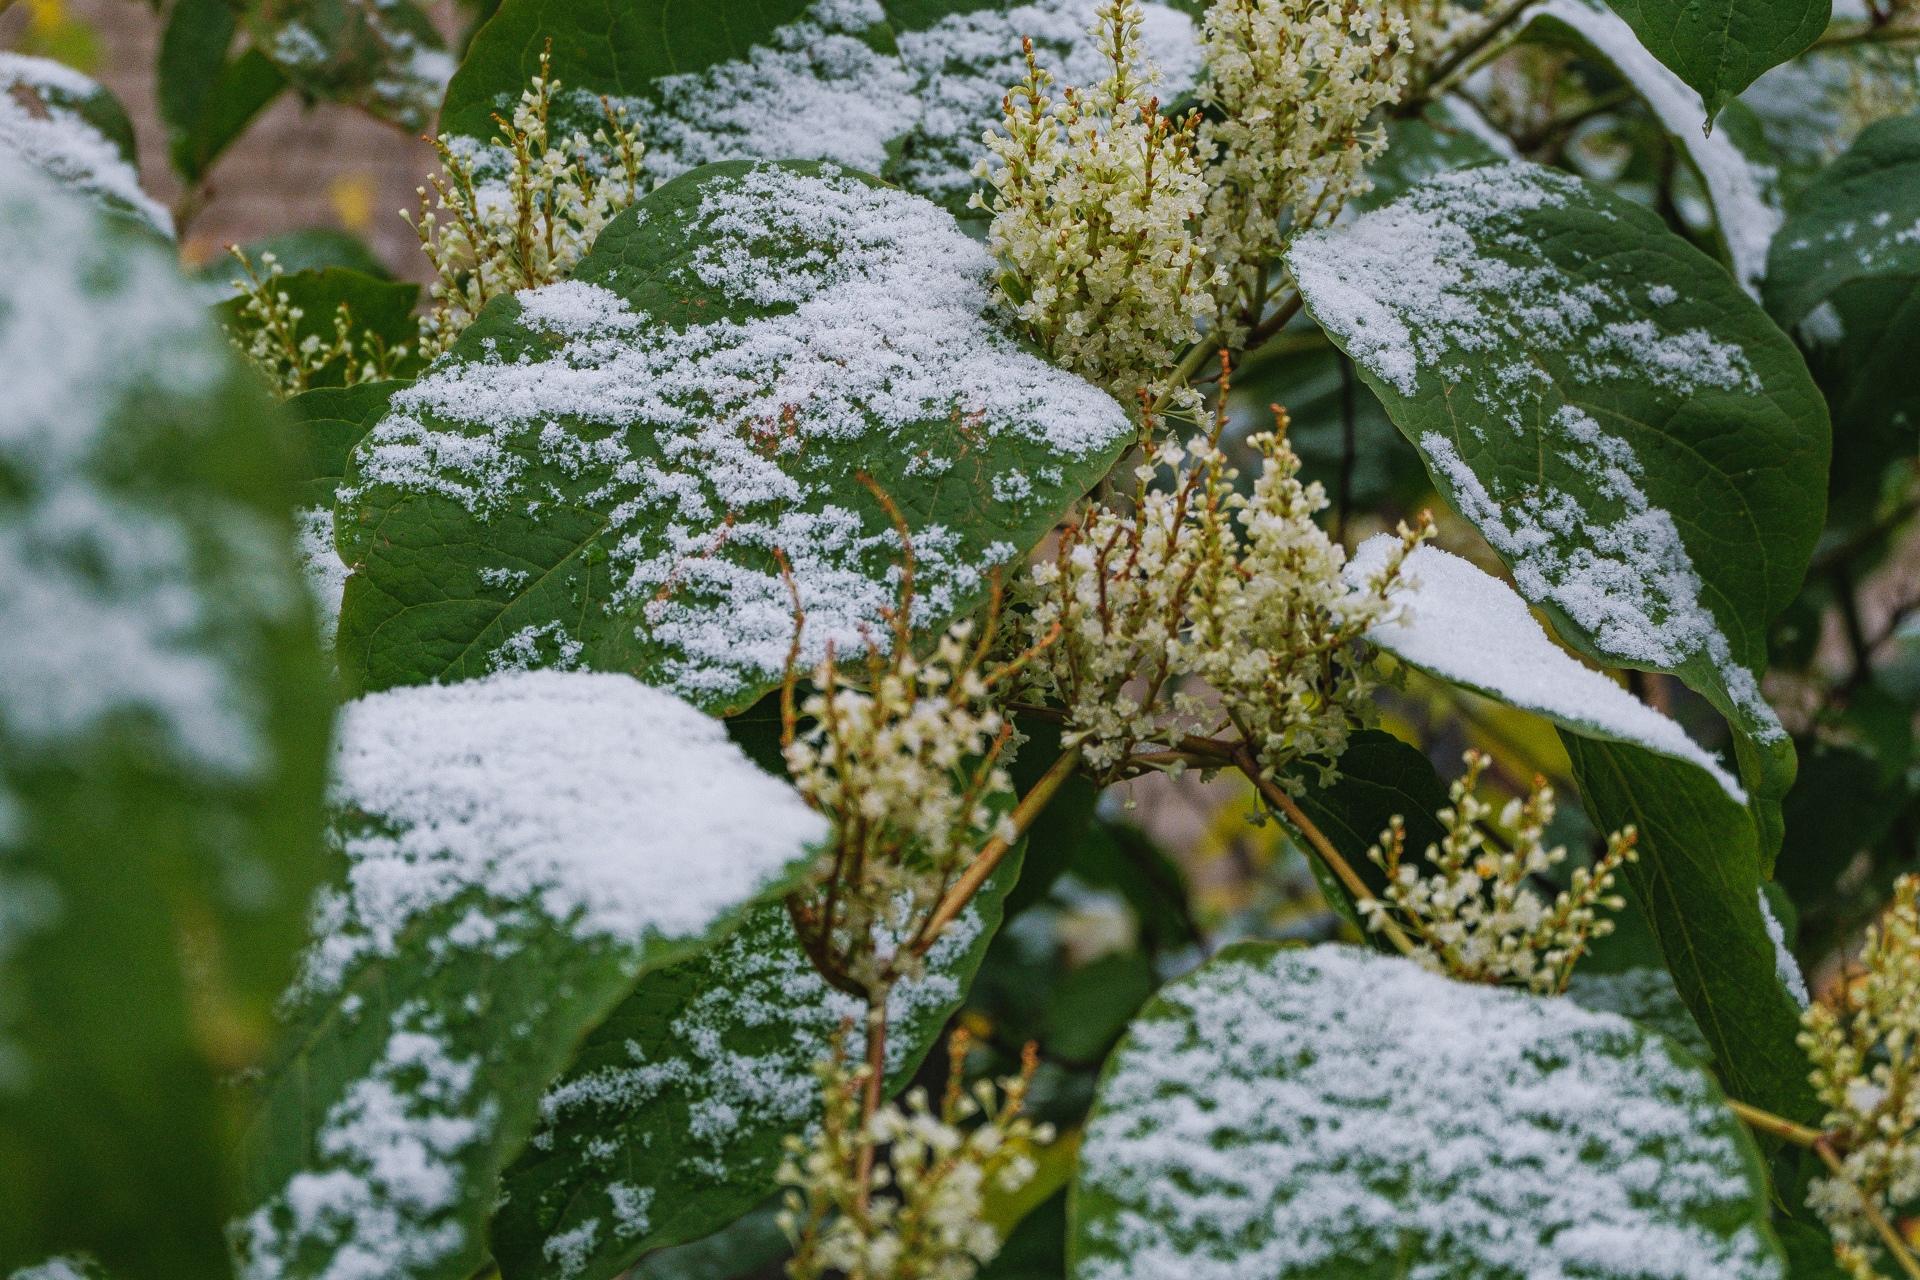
1785 967
608 807
326 573
1467 626
39 122
1293 1111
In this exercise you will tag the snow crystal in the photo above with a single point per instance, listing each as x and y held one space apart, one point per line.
1302 1111
1469 627
39 121
604 805
733 1069
56 1269
1785 967
388 1169
1748 218
884 324
570 1251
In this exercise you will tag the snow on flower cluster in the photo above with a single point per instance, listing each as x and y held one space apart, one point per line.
711 444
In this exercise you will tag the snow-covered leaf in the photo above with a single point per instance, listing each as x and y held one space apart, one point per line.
669 1123
1721 46
606 471
1467 627
163 720
517 852
1859 220
1625 426
383 56
1334 1113
1745 211
903 88
72 129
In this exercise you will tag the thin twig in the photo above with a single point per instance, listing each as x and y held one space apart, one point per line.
875 1084
995 850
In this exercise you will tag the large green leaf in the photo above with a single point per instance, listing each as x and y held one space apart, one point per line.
1697 882
606 471
1624 425
1855 222
163 721
1332 1113
669 1123
207 98
383 56
74 130
518 852
904 87
1721 46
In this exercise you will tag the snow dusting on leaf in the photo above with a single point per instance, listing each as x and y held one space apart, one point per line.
1466 626
1646 995
836 327
605 806
1289 1112
41 119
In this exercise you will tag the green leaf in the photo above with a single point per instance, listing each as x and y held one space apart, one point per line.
1334 1113
379 309
669 1122
602 471
163 722
1447 134
1624 425
76 132
1745 210
750 1246
1646 995
1855 222
308 249
327 423
206 98
899 87
1721 46
384 56
519 852
1697 882
1380 778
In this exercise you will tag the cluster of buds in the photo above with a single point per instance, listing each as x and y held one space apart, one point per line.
1292 90
906 757
267 331
918 1213
1865 1047
1095 198
498 234
1199 610
1474 915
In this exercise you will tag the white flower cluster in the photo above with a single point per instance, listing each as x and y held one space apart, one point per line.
906 763
1474 916
267 332
1292 87
1866 1053
1201 610
498 235
1095 199
927 1220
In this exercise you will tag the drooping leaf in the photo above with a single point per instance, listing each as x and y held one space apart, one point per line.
206 97
384 56
669 1122
1856 221
163 721
1467 627
1697 883
1334 1113
518 852
1745 211
1721 46
608 471
1624 425
900 87
73 130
